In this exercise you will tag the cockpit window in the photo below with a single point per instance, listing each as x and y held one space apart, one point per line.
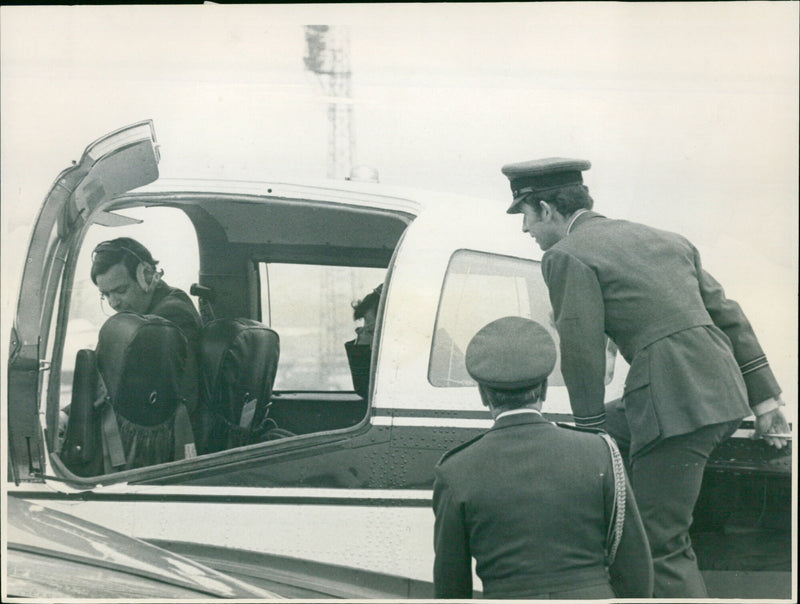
479 288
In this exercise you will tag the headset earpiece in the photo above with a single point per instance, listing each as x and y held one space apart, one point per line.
141 279
141 276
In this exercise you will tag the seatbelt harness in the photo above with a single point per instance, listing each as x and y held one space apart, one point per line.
185 447
114 458
113 451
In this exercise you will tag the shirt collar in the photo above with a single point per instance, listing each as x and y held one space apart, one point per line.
518 411
574 218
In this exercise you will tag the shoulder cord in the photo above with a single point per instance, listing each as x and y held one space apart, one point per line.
617 521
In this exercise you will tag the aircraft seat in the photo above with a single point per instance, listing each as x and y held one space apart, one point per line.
239 360
81 450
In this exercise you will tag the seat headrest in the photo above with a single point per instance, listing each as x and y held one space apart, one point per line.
239 358
141 359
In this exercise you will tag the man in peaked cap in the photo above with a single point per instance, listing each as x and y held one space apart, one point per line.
533 502
696 367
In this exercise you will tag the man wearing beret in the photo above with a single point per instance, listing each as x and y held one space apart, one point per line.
546 511
696 367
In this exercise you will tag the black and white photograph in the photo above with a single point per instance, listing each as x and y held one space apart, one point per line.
388 302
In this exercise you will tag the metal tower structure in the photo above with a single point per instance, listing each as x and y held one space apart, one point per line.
328 56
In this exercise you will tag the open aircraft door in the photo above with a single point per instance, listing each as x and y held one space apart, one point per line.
114 164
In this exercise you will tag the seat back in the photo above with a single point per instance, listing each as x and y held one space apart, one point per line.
82 451
358 358
141 359
239 360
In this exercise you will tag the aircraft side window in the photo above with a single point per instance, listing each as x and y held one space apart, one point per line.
479 288
311 307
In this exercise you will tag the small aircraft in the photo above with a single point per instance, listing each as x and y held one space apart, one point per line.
339 503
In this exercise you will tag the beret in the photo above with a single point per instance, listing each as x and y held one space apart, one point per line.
540 175
511 353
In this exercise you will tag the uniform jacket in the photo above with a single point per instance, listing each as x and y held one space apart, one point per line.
175 305
694 358
531 502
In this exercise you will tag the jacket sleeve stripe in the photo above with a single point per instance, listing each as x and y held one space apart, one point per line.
754 365
590 421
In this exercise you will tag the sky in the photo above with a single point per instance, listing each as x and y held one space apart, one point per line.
687 111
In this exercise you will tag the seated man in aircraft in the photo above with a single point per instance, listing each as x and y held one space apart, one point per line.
359 350
545 510
125 273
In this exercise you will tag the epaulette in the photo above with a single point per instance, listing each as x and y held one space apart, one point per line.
460 447
580 428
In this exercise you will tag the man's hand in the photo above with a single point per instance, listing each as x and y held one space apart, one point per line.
773 428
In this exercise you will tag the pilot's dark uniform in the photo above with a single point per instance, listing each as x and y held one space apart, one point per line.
530 501
175 305
695 363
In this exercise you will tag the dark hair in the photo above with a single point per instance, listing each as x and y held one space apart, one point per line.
512 399
565 200
367 303
123 249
